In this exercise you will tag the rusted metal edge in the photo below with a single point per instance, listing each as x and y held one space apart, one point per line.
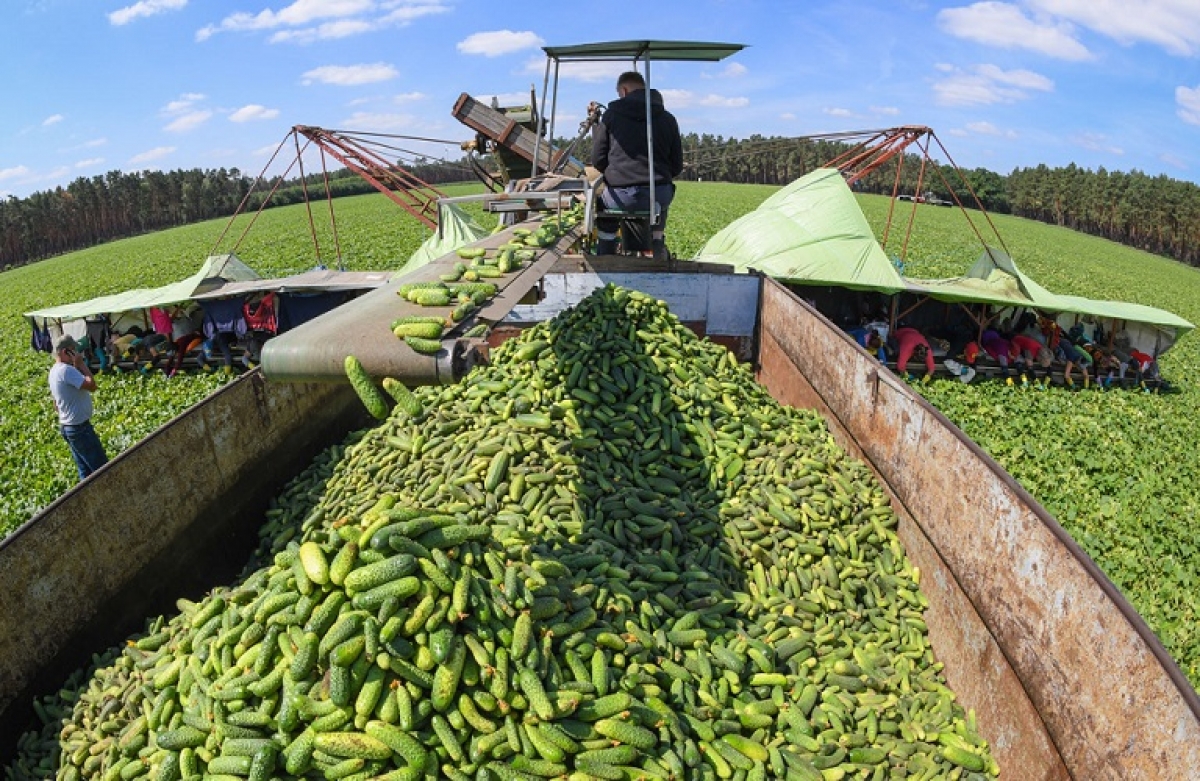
1155 646
11 538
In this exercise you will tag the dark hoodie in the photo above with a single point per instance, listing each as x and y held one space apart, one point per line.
619 142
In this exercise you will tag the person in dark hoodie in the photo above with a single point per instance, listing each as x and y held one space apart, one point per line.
620 152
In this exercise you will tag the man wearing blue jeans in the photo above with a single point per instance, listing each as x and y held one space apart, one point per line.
72 385
620 152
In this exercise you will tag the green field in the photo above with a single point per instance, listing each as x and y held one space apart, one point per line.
1116 468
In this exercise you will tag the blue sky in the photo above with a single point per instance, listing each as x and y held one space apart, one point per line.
100 85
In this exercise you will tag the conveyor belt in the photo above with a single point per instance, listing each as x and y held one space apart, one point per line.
316 350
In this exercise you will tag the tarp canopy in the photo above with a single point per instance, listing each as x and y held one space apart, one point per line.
995 279
1124 310
456 228
315 281
811 232
216 271
993 263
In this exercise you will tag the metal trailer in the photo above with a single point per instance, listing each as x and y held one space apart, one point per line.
1066 678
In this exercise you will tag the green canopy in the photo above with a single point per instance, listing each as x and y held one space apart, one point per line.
456 228
217 270
811 232
995 279
1124 310
696 51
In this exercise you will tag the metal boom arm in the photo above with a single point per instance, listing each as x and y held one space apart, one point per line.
415 196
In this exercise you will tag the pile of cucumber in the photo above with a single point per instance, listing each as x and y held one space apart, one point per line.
607 555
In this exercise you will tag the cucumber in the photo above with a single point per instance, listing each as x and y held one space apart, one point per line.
352 745
365 387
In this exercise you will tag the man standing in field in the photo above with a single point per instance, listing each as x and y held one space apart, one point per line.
72 385
620 152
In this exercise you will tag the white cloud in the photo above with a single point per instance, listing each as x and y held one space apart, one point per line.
787 115
408 97
1021 79
1097 142
498 42
185 113
299 13
188 121
722 101
184 104
838 112
305 21
1173 25
330 31
733 70
681 98
157 153
1187 101
123 16
1175 161
678 98
91 162
252 113
53 119
382 123
988 129
579 71
988 84
887 111
350 75
408 11
55 174
16 172
1006 26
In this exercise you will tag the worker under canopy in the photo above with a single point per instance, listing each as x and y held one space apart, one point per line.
813 233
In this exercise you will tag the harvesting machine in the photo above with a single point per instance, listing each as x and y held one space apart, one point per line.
1067 681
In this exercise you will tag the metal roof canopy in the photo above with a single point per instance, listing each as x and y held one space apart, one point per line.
644 50
634 51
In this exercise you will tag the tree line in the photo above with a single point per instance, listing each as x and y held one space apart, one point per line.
1153 213
1157 214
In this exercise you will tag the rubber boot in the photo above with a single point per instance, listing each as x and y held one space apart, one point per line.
659 246
606 247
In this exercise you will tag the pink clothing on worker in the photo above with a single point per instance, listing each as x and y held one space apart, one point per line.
907 341
161 320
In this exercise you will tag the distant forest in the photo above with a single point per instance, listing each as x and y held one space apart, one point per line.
1154 213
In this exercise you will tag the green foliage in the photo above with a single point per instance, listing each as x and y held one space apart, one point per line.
375 234
1117 469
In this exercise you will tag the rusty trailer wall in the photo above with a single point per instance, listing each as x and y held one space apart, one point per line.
1067 680
171 517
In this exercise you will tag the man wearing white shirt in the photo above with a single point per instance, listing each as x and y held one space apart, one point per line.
72 385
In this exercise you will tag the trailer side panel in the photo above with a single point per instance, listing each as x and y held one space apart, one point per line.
1066 678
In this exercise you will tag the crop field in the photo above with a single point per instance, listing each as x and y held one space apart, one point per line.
1116 468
